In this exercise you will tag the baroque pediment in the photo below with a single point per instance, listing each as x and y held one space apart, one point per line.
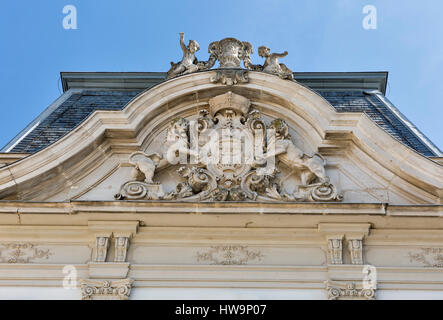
316 154
229 154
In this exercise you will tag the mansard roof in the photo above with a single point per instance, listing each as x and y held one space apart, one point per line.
86 92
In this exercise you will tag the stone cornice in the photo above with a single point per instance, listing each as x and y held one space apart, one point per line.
325 208
143 80
235 214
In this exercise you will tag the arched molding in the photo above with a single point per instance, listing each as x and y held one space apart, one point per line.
112 135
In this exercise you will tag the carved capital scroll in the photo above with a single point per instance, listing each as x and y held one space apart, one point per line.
106 289
340 290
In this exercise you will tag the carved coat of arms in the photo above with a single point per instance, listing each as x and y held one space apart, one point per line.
229 154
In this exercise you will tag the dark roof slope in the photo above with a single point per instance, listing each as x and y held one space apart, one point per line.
70 114
84 101
359 101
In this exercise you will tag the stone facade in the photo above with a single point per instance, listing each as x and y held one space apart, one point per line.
343 211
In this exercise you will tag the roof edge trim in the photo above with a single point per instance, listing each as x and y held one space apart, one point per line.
142 80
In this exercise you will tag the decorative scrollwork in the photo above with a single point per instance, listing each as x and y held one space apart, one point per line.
235 160
316 192
230 77
204 122
325 192
106 290
229 255
349 290
136 190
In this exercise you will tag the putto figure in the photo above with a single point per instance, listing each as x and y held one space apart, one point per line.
271 64
188 64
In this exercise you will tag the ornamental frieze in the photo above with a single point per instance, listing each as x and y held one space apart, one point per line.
229 255
229 154
428 257
106 289
22 253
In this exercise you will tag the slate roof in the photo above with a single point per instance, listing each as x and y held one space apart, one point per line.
80 105
69 114
378 111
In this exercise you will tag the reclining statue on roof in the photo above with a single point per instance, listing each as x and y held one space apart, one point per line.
188 64
272 65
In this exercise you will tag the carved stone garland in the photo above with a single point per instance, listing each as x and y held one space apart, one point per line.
227 163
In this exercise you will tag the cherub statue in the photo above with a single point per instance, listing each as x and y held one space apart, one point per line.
188 64
281 146
271 63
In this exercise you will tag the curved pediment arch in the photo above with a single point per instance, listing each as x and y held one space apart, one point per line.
364 162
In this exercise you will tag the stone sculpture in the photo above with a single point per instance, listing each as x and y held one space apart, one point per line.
229 159
229 52
188 64
282 147
272 65
145 165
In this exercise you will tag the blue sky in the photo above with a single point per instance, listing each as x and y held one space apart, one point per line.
142 35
